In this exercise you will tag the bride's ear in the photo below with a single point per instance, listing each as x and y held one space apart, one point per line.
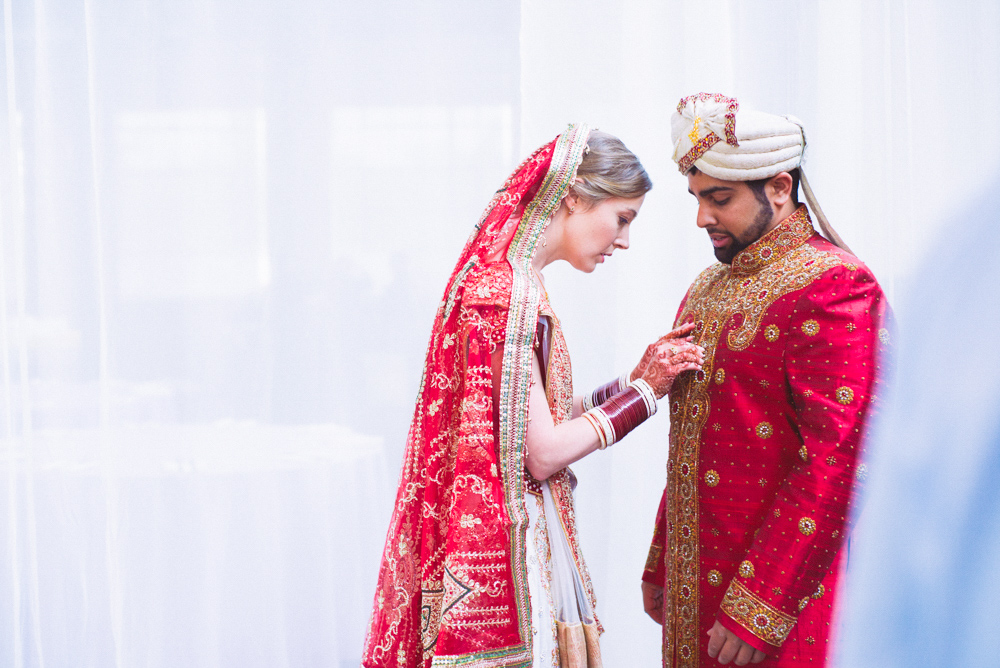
571 200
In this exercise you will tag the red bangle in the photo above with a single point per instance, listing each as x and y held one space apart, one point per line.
605 392
624 411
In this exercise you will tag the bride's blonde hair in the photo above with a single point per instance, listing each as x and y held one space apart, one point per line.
609 170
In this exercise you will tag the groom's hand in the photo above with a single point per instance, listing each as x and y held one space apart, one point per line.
652 601
727 646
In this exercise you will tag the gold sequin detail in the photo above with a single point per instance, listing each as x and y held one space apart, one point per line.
714 578
845 395
804 454
807 526
776 591
777 512
810 327
720 375
711 478
693 135
831 460
851 327
803 603
810 640
819 591
771 333
764 430
746 569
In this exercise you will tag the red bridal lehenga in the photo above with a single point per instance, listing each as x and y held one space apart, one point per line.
482 566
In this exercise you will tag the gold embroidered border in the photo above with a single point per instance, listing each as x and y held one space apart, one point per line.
756 616
699 149
522 319
789 235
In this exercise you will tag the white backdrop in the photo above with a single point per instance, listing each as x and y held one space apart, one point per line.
225 226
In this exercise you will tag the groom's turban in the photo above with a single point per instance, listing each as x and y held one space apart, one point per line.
710 132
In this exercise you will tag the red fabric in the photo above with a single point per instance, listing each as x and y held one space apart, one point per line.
444 586
793 331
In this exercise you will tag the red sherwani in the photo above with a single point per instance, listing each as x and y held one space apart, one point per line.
765 447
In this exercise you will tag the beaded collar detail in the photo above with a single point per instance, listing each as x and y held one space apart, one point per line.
789 234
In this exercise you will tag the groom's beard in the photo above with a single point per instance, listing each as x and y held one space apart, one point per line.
765 214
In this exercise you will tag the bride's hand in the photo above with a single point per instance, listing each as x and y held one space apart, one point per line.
668 357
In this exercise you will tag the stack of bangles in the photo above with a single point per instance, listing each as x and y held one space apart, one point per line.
617 408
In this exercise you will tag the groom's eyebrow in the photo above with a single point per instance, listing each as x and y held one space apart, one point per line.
708 191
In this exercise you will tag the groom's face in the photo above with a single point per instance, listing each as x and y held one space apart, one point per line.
730 212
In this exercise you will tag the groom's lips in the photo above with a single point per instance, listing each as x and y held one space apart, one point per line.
720 240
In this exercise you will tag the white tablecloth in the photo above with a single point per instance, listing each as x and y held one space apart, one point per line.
178 546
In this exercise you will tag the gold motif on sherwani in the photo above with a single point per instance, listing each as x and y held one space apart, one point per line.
727 304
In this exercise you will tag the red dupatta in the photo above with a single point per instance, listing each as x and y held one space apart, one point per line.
452 587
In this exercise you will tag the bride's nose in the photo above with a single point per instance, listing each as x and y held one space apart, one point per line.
621 241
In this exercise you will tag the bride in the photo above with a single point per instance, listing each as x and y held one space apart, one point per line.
482 564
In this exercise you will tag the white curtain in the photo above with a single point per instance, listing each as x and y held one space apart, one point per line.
225 226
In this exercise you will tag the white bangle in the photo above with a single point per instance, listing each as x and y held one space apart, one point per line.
646 390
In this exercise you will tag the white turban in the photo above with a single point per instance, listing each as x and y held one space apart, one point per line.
711 133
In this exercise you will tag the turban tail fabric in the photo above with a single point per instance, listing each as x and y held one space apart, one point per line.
710 132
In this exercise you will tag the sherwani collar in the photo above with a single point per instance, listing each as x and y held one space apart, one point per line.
787 235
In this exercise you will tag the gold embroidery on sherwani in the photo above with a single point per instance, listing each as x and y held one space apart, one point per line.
753 613
778 263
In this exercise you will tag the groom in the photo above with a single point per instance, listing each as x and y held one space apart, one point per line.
765 441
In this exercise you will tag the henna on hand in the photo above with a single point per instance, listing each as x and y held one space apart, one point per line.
668 358
676 336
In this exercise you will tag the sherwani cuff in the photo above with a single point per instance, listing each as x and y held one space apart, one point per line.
654 571
753 620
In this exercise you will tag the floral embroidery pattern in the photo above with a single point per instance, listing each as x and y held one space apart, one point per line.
764 430
746 569
767 623
711 478
845 395
810 327
771 333
807 526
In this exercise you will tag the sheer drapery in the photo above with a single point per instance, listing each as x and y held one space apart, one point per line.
225 226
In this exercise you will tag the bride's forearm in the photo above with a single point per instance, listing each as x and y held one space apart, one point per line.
551 450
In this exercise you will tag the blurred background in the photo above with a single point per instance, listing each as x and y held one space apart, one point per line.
225 226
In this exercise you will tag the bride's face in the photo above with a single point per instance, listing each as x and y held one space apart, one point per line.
592 234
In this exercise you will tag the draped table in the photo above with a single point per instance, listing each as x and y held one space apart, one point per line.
209 545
